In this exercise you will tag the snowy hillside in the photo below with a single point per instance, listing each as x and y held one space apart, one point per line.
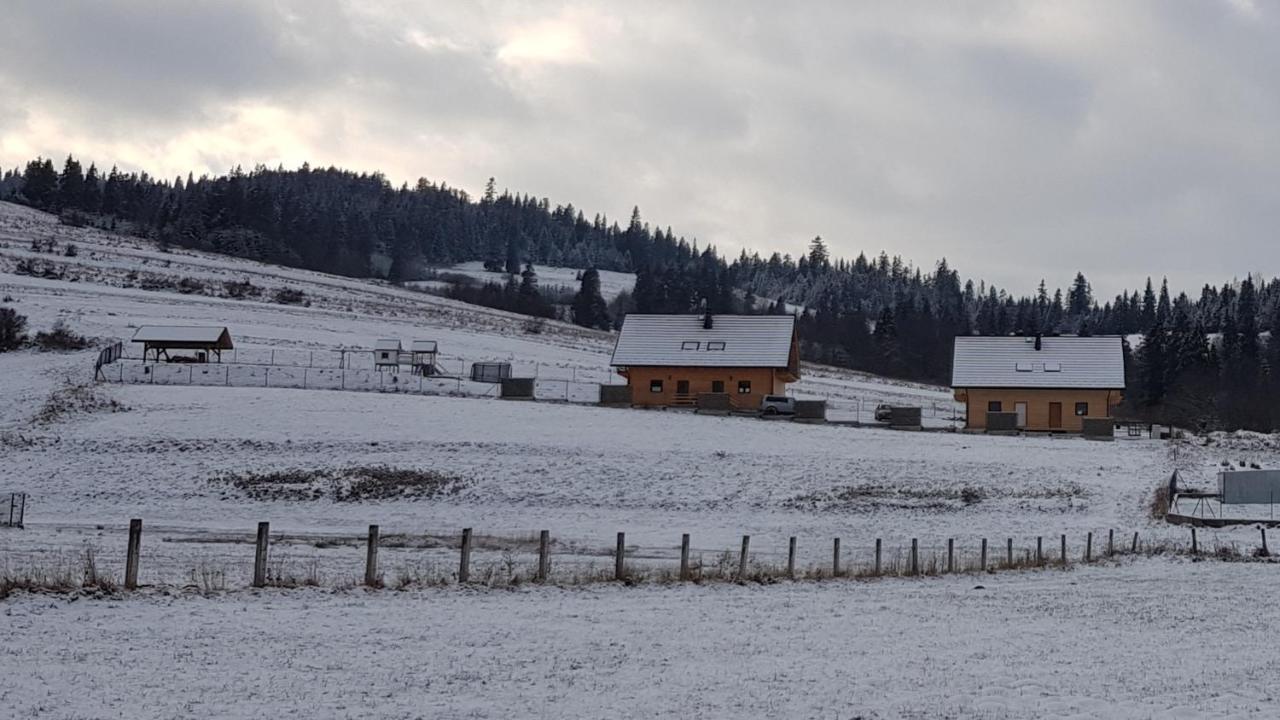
203 465
611 283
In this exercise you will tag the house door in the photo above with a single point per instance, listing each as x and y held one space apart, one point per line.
682 387
1021 409
1055 415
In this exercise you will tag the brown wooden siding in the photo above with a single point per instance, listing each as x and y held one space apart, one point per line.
764 381
976 400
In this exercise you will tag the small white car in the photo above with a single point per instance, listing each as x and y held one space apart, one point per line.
778 405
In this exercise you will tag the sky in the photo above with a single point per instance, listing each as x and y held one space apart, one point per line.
1020 140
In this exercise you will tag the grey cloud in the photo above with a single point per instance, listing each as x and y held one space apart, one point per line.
1118 139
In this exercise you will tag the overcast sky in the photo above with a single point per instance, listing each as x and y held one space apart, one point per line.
1019 139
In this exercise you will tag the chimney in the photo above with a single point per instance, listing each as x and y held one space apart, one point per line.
706 315
1037 342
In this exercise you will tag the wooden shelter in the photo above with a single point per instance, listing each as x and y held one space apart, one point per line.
423 357
668 360
205 342
1049 384
386 355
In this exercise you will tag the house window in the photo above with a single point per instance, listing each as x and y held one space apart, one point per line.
717 386
994 406
689 345
655 386
744 387
1082 409
715 346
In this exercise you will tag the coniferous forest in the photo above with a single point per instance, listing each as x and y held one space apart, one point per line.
1202 361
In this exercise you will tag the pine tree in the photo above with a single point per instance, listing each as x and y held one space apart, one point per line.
1079 297
71 184
40 183
589 308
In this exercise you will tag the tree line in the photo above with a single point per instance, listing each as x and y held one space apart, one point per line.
1199 358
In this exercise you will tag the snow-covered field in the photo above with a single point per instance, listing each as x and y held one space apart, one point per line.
894 648
1151 639
612 283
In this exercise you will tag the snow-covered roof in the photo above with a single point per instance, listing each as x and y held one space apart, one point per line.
386 344
423 346
1061 362
682 341
184 335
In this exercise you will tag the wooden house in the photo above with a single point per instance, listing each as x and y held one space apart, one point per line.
1048 384
668 360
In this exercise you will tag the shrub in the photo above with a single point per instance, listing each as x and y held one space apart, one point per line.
61 338
71 250
238 290
13 329
190 286
289 296
73 218
534 326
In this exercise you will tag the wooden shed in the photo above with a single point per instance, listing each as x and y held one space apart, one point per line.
386 355
1048 384
203 342
668 360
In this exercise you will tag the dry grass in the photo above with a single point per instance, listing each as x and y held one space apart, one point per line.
74 398
353 484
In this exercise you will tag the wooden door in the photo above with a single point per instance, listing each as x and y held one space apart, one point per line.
1021 409
1055 415
682 387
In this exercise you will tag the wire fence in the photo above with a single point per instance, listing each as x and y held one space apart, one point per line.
235 560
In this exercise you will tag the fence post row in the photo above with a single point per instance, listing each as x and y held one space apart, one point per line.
684 555
1135 541
1111 542
260 555
1088 548
742 558
877 573
1265 552
1009 554
983 556
132 556
1064 550
835 558
1039 550
915 556
371 559
951 555
1195 549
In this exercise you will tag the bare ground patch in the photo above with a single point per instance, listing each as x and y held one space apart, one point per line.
76 398
873 496
352 484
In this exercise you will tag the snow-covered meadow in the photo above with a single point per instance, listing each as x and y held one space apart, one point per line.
931 648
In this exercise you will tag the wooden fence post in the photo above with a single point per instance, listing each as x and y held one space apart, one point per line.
544 555
464 557
915 557
877 573
619 566
951 555
1111 542
983 556
131 559
1088 547
371 558
835 558
1265 553
260 555
1009 552
791 557
742 558
1064 550
1195 549
1039 550
1135 542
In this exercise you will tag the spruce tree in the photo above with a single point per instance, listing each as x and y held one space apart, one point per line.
589 308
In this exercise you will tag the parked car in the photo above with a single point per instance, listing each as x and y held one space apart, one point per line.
883 413
778 405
